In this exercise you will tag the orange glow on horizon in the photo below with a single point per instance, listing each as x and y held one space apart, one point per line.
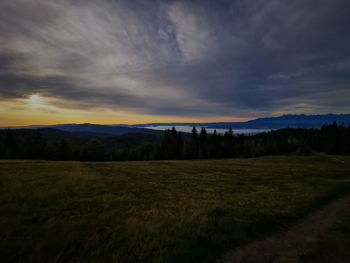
36 119
39 110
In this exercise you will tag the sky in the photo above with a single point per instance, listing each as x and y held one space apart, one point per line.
139 61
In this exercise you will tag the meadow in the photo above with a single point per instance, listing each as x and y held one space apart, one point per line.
157 211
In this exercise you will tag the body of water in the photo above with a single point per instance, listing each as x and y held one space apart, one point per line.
184 128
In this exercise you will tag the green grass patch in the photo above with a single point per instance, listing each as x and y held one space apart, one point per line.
157 211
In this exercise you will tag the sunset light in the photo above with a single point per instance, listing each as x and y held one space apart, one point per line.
169 131
35 100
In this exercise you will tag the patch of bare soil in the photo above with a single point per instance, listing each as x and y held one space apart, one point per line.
289 246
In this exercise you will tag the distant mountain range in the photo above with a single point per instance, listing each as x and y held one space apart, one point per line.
285 121
104 129
93 129
301 121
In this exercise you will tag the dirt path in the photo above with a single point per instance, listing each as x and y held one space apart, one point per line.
287 247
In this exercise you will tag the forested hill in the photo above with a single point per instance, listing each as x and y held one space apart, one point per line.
104 129
88 128
54 144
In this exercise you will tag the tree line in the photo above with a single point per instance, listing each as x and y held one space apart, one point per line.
330 139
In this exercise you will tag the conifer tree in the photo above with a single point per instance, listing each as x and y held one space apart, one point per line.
202 151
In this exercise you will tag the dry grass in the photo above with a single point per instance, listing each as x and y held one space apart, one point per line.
159 211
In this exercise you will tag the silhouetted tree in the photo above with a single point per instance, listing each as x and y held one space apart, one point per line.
202 146
193 145
229 144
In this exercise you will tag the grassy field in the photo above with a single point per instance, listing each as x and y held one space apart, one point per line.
159 211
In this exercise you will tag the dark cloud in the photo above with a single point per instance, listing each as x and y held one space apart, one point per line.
188 58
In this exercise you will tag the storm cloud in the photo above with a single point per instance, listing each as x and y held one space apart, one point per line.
243 58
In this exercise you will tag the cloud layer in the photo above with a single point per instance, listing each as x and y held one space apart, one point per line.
239 58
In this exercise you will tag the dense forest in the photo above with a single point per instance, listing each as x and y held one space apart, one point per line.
51 144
